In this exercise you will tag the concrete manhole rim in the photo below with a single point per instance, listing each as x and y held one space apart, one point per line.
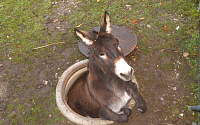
61 102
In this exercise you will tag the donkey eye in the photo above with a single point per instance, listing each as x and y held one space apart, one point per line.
102 55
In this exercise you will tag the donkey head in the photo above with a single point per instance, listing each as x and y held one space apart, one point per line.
105 51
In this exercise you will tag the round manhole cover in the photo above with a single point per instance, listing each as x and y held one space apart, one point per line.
127 40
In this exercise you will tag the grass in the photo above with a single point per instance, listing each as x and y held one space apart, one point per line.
23 27
23 23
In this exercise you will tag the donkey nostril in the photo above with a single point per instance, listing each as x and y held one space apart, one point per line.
132 71
122 75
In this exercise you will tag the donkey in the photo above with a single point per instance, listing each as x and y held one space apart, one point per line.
107 88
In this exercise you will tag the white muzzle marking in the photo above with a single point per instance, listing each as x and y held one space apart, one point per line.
123 70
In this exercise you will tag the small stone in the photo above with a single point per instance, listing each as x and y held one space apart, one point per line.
174 88
1 65
177 28
56 75
174 102
181 114
149 26
45 83
50 115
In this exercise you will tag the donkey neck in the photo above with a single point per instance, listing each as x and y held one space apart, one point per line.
98 73
106 78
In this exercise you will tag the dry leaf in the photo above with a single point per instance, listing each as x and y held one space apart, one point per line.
196 54
185 54
88 16
101 16
19 46
79 25
142 18
98 1
162 50
165 28
171 45
137 47
135 21
161 3
55 20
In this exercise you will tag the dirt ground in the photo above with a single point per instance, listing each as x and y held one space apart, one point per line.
27 90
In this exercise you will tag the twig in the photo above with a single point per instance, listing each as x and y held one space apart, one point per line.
47 45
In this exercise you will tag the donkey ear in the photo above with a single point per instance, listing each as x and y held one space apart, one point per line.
105 24
85 37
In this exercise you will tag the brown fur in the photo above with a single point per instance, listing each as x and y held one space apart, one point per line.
95 92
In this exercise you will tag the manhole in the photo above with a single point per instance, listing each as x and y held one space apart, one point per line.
127 40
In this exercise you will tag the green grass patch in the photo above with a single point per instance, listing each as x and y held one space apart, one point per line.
22 27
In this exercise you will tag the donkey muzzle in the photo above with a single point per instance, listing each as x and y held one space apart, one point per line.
123 70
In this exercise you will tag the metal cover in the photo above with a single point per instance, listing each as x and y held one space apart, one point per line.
127 40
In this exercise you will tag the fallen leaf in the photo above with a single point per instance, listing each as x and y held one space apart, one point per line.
79 25
196 54
171 45
88 16
185 54
19 46
165 28
148 6
77 2
135 21
142 18
98 1
55 21
161 3
125 17
137 47
101 16
162 50
196 47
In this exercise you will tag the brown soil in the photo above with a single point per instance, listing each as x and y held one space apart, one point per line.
163 87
